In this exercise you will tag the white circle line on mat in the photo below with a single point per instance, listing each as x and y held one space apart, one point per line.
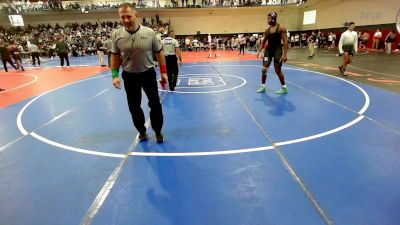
191 154
208 92
35 78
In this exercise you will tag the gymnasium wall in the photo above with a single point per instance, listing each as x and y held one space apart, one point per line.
184 21
232 20
62 18
333 13
330 14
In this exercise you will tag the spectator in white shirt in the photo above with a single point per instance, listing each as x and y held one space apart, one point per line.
330 39
348 46
187 43
377 38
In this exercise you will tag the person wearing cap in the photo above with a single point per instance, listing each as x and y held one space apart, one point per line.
133 47
274 36
172 50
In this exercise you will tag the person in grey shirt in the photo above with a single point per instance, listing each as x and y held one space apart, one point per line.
172 50
133 46
108 46
34 49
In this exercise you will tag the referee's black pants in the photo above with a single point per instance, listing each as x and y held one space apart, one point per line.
109 58
134 82
35 55
172 70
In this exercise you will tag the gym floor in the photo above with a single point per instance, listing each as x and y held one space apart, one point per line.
325 153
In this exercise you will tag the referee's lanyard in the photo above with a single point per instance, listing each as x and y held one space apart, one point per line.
133 40
129 55
133 35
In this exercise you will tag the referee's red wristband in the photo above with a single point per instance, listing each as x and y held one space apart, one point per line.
163 69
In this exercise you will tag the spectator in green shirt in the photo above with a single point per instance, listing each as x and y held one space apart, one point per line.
62 50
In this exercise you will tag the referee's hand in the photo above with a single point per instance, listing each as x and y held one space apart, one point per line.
116 82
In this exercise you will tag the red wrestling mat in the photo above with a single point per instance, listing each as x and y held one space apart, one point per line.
23 85
223 56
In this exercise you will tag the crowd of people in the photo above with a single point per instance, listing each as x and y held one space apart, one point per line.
24 6
251 42
43 41
83 39
232 42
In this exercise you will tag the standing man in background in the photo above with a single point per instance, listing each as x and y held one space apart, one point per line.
312 41
100 50
377 37
242 42
62 49
330 40
212 47
171 50
389 40
136 44
108 46
364 40
187 44
34 49
347 47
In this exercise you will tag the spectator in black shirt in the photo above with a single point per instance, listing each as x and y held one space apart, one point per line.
390 39
312 41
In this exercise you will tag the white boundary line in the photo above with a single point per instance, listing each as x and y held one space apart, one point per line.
371 71
208 153
19 117
66 147
35 78
105 190
4 147
367 99
51 121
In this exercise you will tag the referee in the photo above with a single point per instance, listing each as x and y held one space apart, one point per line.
136 44
171 50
